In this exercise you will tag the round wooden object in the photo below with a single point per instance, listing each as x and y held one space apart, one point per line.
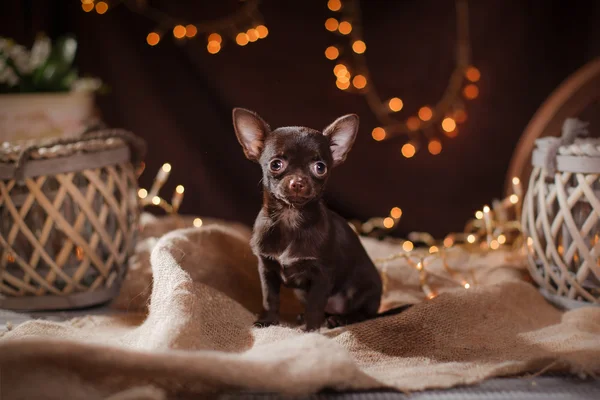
67 224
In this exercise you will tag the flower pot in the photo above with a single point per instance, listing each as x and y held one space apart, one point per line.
35 116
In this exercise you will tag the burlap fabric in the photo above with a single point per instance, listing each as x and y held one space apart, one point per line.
189 331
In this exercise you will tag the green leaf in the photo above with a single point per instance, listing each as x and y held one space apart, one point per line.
54 71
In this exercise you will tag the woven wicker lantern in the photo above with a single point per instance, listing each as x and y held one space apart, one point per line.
68 218
561 217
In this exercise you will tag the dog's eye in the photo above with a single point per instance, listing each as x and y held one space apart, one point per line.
276 165
320 168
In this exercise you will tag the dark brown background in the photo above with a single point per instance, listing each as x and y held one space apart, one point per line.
179 97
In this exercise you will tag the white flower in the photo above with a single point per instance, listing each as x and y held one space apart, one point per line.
8 76
20 57
40 52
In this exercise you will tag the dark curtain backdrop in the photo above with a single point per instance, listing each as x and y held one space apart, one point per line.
179 97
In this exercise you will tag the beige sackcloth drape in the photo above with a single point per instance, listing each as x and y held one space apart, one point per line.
191 295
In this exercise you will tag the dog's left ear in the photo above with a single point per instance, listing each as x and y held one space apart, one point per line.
341 133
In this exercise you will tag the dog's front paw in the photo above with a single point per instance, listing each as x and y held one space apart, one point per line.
335 321
264 322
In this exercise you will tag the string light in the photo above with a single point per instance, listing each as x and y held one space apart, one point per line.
471 238
388 222
473 74
395 104
378 133
345 27
407 246
213 47
197 222
471 92
247 17
396 212
433 249
152 198
153 38
242 39
425 113
449 106
340 70
434 147
359 47
408 150
359 81
190 30
332 53
331 24
343 85
101 7
479 214
514 199
448 124
262 31
252 35
334 5
215 37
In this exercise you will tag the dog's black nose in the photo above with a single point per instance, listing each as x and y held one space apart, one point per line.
297 185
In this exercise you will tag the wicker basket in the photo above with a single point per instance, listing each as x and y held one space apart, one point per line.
68 218
561 218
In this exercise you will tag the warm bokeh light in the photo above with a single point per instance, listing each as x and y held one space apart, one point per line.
501 239
413 123
514 199
262 31
343 84
378 134
87 1
448 124
408 150
433 249
516 180
359 47
197 222
156 200
408 245
434 147
471 238
87 7
332 53
460 116
153 38
166 167
479 214
345 27
425 113
252 34
344 78
215 37
359 81
340 70
466 285
395 104
142 193
486 209
396 212
180 189
191 30
241 39
448 242
331 24
101 7
179 31
494 244
472 74
213 47
452 134
388 222
334 5
471 92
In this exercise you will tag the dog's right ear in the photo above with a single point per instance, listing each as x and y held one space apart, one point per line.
250 130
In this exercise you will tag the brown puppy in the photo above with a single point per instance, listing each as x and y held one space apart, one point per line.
299 242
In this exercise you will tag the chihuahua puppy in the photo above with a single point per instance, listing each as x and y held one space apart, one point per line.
299 242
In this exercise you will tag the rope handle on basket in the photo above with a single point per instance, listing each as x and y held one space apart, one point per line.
137 145
571 130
